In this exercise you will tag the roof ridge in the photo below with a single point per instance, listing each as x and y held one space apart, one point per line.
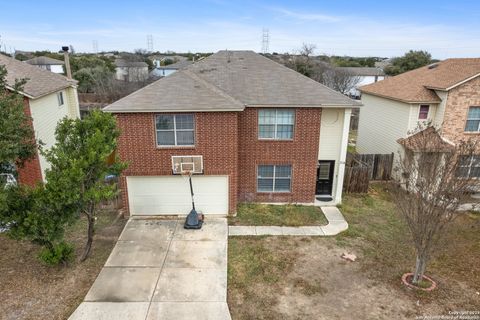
211 86
354 103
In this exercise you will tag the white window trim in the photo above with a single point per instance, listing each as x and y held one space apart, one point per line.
275 178
469 166
174 132
275 126
472 119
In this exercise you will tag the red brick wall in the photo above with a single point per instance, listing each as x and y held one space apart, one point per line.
216 139
301 153
459 100
30 173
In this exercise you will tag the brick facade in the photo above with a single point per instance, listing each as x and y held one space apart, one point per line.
459 100
30 173
228 142
216 139
301 153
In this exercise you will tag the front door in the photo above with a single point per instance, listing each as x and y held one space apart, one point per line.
325 177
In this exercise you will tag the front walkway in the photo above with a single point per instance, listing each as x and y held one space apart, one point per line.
336 224
159 270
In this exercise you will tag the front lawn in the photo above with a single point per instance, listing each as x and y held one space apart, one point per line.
255 214
305 278
32 290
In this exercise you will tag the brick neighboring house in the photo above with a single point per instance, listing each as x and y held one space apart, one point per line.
445 94
265 133
48 97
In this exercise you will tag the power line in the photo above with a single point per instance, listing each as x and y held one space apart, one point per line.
95 46
265 40
149 43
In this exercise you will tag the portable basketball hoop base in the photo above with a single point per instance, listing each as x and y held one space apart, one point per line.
193 220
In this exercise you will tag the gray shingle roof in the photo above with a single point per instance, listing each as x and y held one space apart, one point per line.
126 63
44 61
40 82
231 80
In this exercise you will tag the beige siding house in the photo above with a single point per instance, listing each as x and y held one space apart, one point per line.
48 98
444 94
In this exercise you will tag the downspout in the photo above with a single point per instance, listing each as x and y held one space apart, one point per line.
343 155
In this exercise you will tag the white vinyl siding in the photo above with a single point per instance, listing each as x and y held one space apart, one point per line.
382 122
46 114
170 195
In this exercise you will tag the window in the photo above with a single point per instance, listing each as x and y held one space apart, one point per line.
423 114
60 98
469 167
272 178
473 120
175 130
276 124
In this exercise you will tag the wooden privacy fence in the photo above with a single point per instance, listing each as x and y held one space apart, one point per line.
361 168
356 176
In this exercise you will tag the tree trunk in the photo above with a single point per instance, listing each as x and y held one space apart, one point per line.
420 266
88 245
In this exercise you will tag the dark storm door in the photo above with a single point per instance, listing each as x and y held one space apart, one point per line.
325 177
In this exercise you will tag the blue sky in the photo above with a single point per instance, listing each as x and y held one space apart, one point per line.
358 28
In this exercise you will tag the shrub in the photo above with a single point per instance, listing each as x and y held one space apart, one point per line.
59 253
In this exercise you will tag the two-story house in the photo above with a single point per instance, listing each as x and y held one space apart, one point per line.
445 94
48 98
252 130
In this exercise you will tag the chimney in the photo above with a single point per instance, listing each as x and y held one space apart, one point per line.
67 62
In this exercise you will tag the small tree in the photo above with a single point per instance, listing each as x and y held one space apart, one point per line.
17 143
431 186
410 61
340 80
79 165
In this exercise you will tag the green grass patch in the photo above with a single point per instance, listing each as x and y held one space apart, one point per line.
255 214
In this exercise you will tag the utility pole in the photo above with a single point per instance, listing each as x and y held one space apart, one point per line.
95 46
265 40
149 43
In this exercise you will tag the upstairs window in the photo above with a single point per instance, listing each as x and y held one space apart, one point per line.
469 167
423 113
473 120
271 178
276 124
60 98
175 130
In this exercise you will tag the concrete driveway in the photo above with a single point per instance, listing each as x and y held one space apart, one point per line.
159 270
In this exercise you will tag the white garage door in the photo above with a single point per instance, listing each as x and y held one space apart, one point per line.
158 195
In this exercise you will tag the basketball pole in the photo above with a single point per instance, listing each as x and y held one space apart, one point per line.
191 192
192 221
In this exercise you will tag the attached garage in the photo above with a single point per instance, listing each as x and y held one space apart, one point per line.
165 195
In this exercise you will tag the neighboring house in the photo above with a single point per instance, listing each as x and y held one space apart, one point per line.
47 63
445 94
365 75
253 130
163 71
48 98
131 71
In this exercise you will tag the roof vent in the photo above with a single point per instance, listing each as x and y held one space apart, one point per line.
433 66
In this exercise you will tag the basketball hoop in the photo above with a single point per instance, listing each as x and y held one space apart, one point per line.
186 174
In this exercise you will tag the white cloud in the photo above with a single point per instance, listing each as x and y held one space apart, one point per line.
307 16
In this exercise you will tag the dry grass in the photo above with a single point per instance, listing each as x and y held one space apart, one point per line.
32 290
305 278
255 214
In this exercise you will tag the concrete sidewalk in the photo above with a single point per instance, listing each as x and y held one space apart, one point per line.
336 224
158 270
